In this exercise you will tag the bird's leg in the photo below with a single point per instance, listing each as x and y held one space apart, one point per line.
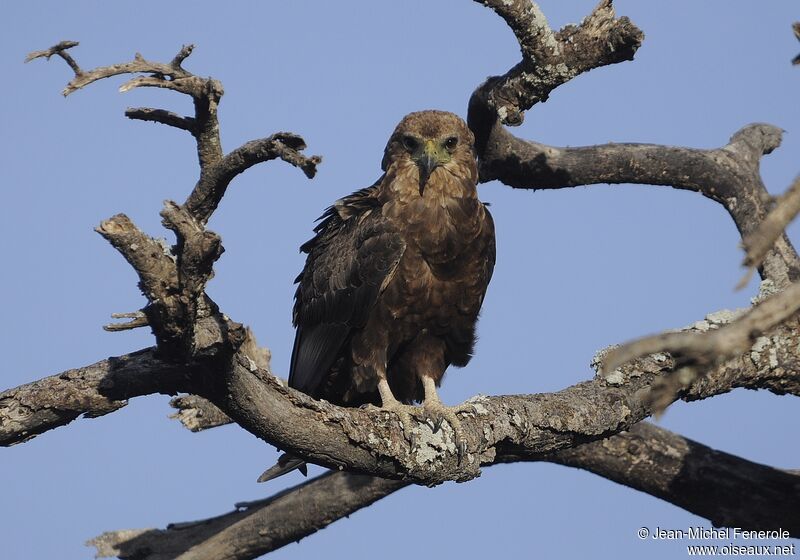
403 411
438 412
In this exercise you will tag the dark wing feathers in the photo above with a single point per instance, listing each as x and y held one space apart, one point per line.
354 251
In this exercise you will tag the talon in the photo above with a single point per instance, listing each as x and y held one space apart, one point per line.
439 413
461 450
403 411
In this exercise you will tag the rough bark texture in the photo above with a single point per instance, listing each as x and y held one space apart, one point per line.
709 483
254 528
728 175
91 391
371 441
727 490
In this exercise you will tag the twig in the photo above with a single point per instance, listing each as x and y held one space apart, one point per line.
697 352
197 413
758 242
206 93
162 116
61 50
138 319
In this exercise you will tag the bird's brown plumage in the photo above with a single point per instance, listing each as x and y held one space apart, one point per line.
397 272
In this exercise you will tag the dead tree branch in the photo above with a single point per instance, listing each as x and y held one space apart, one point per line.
549 59
198 414
339 437
91 391
61 50
758 243
727 490
255 528
162 116
695 352
647 458
212 185
184 319
729 175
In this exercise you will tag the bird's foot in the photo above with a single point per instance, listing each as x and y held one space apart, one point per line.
437 412
406 413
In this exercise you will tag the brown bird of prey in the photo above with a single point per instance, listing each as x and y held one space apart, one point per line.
395 278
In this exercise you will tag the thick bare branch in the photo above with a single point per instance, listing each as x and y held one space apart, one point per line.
159 280
647 458
371 441
151 259
728 175
257 528
549 59
90 391
727 490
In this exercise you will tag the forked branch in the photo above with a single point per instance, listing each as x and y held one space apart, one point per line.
184 319
696 353
729 175
650 459
549 59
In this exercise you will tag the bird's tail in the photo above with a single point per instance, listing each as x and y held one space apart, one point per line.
286 464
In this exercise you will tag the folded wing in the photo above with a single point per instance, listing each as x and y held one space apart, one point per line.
350 259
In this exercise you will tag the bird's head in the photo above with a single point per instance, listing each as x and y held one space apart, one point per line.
428 140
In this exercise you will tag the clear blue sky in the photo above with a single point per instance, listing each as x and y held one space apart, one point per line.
576 270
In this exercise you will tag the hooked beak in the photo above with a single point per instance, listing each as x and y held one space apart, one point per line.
427 161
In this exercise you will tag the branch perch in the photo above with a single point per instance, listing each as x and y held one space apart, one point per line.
335 436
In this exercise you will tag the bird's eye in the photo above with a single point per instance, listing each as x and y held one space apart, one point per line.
451 143
410 143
